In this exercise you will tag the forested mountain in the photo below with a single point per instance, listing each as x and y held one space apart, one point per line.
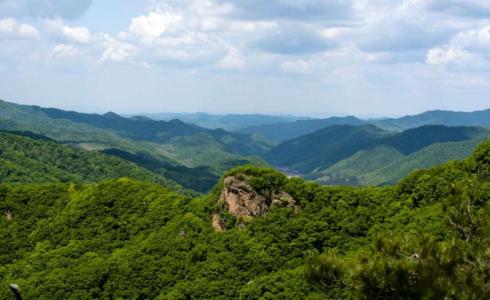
324 147
385 165
439 117
365 154
157 131
230 122
283 131
182 148
259 235
27 158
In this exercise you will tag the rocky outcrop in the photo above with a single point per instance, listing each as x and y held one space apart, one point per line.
243 201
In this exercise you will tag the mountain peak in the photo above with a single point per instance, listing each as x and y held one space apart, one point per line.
111 114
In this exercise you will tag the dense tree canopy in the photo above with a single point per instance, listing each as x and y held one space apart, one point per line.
427 237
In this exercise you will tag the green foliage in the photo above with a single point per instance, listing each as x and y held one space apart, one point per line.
419 266
25 160
264 180
366 155
324 148
125 239
385 165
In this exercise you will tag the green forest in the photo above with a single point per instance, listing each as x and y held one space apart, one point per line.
244 149
424 238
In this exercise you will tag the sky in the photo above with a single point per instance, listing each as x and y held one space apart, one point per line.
301 57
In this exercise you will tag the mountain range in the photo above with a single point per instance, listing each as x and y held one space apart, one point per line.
356 155
229 122
283 131
178 149
107 207
345 150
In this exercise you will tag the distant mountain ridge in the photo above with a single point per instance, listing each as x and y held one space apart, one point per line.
231 122
151 130
324 147
438 117
285 131
345 150
281 132
346 154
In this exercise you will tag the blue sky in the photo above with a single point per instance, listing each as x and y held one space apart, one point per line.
304 57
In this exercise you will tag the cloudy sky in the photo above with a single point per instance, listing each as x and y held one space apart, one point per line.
306 57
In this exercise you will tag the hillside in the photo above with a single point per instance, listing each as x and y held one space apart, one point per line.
324 147
367 149
258 235
40 160
385 165
183 147
154 131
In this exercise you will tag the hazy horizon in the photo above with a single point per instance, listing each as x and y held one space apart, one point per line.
368 58
309 116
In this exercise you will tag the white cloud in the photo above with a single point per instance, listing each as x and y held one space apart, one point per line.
79 35
65 51
468 50
116 50
9 28
443 56
233 60
155 24
298 67
28 31
7 25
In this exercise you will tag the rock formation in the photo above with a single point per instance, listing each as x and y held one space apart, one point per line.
242 201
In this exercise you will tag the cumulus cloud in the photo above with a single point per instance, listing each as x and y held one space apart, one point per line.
28 31
155 24
68 9
9 28
65 51
443 56
117 51
79 35
58 30
8 25
468 49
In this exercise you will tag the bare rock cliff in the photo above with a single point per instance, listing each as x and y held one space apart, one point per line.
243 202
